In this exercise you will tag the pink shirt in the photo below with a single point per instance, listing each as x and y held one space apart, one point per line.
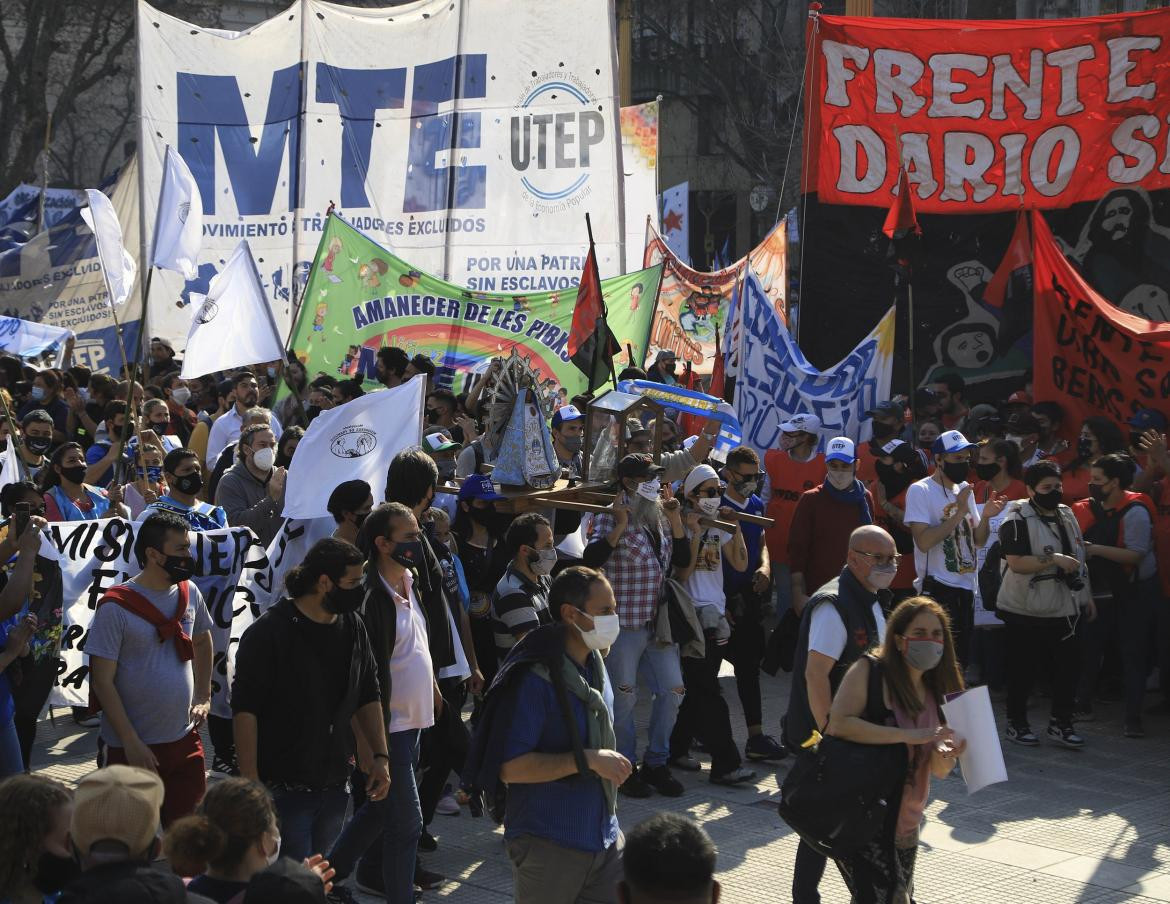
917 790
412 699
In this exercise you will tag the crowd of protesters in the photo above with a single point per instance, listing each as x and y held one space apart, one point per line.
440 652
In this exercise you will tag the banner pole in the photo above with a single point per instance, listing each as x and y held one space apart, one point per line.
604 309
910 353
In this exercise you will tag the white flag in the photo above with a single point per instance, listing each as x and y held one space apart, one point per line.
354 441
9 466
118 266
178 231
232 326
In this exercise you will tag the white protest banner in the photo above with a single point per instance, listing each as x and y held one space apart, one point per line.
233 325
640 176
178 230
969 714
118 266
56 278
288 548
10 469
96 555
354 441
28 339
775 381
676 220
474 149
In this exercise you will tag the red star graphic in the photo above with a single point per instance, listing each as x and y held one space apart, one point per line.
672 221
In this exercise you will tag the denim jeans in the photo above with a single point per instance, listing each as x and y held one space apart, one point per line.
397 818
11 760
310 821
634 655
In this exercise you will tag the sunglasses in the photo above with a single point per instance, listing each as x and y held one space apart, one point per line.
711 491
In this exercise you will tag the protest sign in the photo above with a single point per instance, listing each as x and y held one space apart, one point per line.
1036 114
361 297
640 175
472 156
693 304
775 381
1092 358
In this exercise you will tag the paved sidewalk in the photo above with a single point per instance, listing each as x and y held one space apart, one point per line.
1091 825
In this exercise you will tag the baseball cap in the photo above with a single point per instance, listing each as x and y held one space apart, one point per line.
925 397
690 441
1019 398
801 423
981 411
439 442
566 413
887 409
478 486
117 803
951 441
638 465
697 476
665 354
841 448
1023 423
287 881
1147 419
163 341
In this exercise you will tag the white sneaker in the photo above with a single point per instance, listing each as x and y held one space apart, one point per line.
447 806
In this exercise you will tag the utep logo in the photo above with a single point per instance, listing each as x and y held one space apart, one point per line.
353 442
550 150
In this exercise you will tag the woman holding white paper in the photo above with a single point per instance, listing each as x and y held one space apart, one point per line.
918 669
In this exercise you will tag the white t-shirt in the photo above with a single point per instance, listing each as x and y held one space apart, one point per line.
412 696
951 562
827 635
706 581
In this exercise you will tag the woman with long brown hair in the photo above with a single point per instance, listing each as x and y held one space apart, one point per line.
917 667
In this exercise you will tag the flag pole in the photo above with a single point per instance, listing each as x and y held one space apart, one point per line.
604 309
910 351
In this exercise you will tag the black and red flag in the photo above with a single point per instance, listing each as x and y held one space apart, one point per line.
902 228
592 344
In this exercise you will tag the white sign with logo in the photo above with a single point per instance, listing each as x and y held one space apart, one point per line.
474 148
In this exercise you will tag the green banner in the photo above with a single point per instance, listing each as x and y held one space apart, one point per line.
360 297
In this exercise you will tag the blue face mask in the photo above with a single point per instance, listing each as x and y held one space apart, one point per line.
153 473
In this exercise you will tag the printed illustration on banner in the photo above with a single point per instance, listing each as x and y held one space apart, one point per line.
353 442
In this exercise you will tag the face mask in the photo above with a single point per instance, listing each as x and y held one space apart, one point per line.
264 459
709 505
359 518
841 480
572 443
789 440
340 600
650 489
75 474
544 561
271 371
1050 500
986 471
38 444
432 415
275 855
407 554
446 469
956 471
38 393
883 431
1084 447
747 487
188 483
605 631
179 568
488 517
1015 438
181 395
54 872
923 655
881 576
153 473
312 411
1134 439
1097 492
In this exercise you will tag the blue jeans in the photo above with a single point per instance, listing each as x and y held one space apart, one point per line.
397 818
636 654
310 821
11 760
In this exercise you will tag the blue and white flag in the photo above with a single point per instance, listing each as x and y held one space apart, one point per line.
775 382
676 220
27 339
688 401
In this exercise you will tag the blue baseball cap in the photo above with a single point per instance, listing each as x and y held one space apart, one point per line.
1147 419
564 414
951 441
841 448
478 486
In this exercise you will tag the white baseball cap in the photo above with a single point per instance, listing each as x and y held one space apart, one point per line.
801 423
841 448
952 441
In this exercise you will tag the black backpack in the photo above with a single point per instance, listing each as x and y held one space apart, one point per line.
991 576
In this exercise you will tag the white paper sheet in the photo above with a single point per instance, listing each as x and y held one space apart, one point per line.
970 715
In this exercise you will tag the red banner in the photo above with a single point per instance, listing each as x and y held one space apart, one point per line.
1091 357
989 115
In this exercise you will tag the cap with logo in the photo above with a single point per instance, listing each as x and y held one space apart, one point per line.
841 448
478 486
1147 419
887 409
801 423
951 441
638 465
439 442
564 414
117 803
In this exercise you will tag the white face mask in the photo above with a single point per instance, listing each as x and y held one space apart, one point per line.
842 480
650 489
546 559
881 576
709 505
605 631
263 459
181 395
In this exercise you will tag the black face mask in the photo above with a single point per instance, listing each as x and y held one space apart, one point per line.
179 568
282 460
188 483
956 471
884 431
407 554
312 411
986 471
1084 447
432 415
76 474
359 518
1049 501
339 600
38 444
1097 492
54 872
488 517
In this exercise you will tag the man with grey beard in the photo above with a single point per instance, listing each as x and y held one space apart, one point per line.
635 545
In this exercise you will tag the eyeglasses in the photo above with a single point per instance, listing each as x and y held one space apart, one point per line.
710 492
879 559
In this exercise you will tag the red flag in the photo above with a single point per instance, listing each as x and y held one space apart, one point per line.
691 423
1017 261
591 343
716 388
901 219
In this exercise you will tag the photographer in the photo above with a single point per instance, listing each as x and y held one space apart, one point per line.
1045 586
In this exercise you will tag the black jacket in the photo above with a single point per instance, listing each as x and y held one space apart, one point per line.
129 882
302 739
